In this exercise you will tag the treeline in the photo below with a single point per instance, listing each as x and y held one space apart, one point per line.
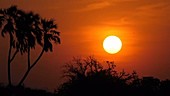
87 77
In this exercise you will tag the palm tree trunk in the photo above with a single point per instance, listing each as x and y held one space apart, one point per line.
24 77
30 67
29 57
9 63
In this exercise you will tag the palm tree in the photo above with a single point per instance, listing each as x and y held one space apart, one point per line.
45 33
7 25
19 25
25 30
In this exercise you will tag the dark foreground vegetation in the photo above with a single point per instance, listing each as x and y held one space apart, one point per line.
23 91
87 77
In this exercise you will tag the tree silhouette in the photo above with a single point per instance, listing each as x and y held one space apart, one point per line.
165 88
49 33
7 25
25 30
87 77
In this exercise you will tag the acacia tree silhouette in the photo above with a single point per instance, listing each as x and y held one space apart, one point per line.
87 77
25 29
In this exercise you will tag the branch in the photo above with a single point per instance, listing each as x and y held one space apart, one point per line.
29 69
14 56
37 59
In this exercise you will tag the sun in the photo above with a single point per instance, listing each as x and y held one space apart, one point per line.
112 44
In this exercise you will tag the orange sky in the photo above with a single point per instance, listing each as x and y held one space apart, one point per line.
142 25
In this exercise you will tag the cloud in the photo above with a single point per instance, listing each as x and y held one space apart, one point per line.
124 21
123 0
94 6
152 11
150 7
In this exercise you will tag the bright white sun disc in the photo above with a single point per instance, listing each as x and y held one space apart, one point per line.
112 44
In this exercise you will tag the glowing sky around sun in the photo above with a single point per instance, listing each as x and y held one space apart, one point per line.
142 25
